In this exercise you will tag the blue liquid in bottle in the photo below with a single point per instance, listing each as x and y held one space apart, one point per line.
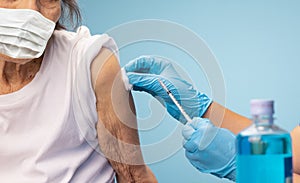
264 152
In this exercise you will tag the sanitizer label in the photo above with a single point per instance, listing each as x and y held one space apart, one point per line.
264 169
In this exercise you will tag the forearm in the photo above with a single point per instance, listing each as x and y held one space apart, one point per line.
225 118
119 142
121 157
296 178
295 134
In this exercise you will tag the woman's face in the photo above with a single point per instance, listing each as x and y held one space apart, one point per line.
50 9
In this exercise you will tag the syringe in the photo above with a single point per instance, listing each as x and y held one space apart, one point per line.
185 115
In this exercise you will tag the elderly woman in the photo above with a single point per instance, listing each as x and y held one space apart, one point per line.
57 100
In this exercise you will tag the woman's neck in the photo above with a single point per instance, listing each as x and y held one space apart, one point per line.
14 76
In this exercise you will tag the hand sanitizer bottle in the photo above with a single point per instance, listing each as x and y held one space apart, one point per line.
264 152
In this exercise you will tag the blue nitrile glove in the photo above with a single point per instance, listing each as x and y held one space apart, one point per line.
143 73
210 149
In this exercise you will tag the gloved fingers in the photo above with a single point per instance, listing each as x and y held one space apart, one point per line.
196 133
202 123
147 64
142 80
190 146
148 83
174 111
192 156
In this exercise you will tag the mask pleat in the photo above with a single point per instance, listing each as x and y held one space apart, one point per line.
15 52
29 36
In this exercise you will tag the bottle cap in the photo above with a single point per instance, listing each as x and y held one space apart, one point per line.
262 107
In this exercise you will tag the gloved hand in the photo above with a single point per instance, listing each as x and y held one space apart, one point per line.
210 149
143 73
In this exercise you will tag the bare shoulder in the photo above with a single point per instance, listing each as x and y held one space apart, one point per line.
105 69
296 149
108 85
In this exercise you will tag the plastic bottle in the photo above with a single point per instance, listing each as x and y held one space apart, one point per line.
264 152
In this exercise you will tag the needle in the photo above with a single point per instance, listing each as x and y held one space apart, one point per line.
185 115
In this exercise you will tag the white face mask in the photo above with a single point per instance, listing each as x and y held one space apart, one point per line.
24 33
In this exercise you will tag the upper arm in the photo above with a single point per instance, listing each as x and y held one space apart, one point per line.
117 126
115 104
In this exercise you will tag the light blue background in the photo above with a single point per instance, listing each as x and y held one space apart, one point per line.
256 43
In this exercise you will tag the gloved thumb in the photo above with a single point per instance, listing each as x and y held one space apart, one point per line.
190 127
187 131
197 123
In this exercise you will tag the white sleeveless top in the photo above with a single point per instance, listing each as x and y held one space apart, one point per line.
47 129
